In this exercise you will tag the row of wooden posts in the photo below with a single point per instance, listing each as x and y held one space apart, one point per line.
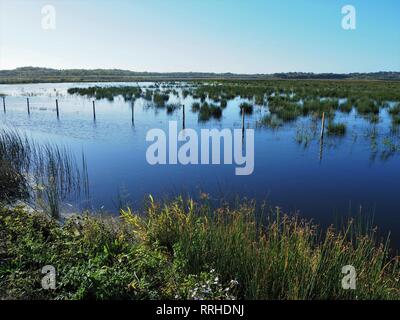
132 108
57 109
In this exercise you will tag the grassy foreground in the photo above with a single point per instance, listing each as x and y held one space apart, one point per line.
185 250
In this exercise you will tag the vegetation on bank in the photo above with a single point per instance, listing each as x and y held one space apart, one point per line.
187 250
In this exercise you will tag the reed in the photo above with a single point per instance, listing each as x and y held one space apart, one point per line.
245 107
45 173
336 129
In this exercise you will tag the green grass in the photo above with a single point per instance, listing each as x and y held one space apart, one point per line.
284 108
195 106
208 111
395 110
367 106
224 103
245 107
127 92
336 129
271 121
172 250
160 99
347 106
44 173
396 120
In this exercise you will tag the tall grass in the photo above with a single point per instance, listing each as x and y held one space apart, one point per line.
185 250
281 257
337 129
48 173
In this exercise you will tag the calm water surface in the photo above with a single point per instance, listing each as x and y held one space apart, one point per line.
357 172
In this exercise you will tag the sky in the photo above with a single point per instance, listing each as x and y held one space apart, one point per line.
239 36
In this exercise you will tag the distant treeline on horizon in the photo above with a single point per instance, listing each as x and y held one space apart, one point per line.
35 75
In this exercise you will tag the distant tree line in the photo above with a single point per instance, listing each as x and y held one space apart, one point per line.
33 74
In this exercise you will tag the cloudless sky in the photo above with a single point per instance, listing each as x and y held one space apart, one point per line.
241 36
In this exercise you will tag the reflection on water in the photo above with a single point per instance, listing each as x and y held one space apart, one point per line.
294 168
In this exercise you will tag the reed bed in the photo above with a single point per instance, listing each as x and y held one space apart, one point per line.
45 173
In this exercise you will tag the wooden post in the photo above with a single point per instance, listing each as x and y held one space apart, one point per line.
133 111
242 122
183 117
4 104
27 104
94 111
58 114
323 125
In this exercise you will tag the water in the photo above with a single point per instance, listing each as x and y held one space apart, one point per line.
347 175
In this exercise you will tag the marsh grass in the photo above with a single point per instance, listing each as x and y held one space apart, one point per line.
171 107
245 107
395 110
271 121
347 106
195 107
280 257
109 93
208 111
160 99
336 129
46 173
367 106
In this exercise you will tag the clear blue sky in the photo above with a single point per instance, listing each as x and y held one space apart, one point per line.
242 36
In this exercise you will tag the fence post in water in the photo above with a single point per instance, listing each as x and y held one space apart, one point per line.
132 111
58 114
183 116
4 104
323 125
27 104
242 122
94 111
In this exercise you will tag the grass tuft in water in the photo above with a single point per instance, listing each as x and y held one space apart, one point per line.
44 174
336 129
